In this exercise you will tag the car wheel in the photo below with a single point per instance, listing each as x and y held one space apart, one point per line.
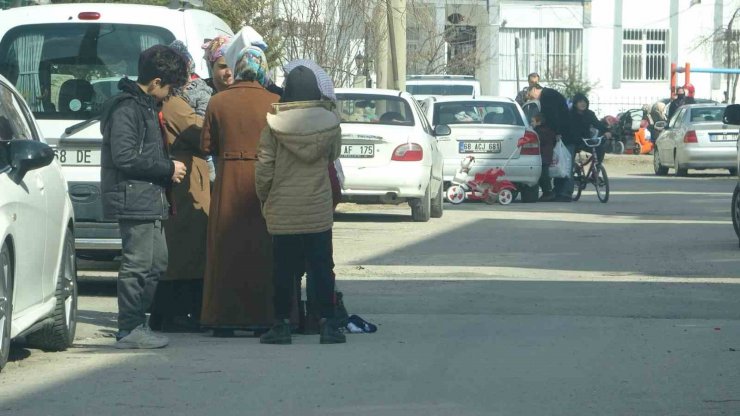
60 335
438 203
680 171
6 304
421 208
659 169
529 193
736 211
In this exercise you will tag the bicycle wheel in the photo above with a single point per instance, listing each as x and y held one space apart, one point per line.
602 183
579 181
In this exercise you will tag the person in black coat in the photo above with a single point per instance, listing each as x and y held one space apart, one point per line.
582 120
135 173
554 107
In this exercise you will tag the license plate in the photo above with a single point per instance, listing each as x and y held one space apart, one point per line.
77 156
480 147
725 137
358 150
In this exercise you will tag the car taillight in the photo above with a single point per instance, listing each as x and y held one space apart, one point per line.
529 143
89 16
690 137
409 152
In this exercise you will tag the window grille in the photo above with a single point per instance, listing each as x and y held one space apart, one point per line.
555 54
645 54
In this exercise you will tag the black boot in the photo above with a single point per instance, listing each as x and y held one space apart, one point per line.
330 334
278 334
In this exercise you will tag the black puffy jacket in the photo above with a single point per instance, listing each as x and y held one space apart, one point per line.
135 169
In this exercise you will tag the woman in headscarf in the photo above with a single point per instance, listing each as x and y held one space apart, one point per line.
177 303
301 139
221 75
237 288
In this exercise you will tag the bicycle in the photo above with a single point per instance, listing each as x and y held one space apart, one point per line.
596 172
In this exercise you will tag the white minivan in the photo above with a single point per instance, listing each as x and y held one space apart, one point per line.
66 61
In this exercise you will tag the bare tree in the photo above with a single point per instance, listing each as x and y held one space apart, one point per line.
453 50
330 32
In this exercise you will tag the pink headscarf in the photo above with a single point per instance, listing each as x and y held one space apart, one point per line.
215 48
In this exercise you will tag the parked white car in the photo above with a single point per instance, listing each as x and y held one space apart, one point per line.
696 138
67 59
389 152
425 86
38 277
489 129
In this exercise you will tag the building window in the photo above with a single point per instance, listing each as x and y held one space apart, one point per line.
555 54
645 55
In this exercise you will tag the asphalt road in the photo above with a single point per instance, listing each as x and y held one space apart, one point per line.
625 308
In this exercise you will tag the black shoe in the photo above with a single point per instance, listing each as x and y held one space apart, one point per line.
330 334
278 334
563 198
547 197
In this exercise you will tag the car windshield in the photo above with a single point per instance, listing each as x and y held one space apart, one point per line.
66 71
477 112
439 89
706 115
374 109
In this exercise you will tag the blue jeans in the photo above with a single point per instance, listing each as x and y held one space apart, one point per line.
565 186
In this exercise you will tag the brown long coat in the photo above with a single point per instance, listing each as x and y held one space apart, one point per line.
186 230
237 290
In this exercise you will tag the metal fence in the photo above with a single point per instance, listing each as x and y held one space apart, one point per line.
613 105
555 54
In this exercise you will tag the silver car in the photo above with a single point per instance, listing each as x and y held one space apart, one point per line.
487 128
696 138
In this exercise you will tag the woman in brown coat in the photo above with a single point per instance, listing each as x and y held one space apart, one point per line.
177 303
237 290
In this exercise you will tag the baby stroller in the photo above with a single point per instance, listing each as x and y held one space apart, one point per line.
485 186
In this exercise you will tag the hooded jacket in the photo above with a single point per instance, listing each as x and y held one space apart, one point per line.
292 178
582 122
134 168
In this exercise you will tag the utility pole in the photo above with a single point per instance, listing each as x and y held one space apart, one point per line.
396 16
729 37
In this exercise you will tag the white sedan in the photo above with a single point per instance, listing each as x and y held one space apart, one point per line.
389 152
488 128
38 277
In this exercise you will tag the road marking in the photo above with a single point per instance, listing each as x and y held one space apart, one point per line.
518 274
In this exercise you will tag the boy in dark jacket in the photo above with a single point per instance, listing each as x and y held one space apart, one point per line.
135 172
582 120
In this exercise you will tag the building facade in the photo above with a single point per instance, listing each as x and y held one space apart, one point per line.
622 48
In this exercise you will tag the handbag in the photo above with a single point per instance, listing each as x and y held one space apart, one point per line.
562 161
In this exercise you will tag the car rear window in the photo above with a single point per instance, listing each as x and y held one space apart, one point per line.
439 89
477 112
67 70
706 115
374 109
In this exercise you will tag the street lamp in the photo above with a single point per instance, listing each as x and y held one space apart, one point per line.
362 66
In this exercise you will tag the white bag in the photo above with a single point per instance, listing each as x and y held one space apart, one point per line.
562 162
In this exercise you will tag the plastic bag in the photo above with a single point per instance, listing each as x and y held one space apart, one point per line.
562 161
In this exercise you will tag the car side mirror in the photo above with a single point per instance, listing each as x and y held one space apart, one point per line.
660 125
732 114
442 130
25 156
